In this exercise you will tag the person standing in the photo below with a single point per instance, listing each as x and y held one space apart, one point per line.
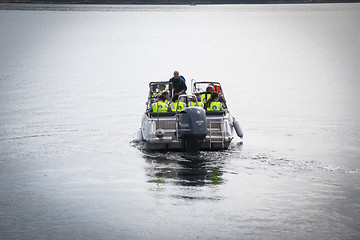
179 83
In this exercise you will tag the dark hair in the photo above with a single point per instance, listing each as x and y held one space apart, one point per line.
175 98
213 96
209 89
162 98
165 93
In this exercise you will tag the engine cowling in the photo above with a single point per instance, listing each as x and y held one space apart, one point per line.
192 128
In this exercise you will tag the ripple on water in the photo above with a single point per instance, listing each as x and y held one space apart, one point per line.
208 167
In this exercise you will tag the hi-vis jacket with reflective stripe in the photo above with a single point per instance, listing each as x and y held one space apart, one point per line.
159 107
179 105
193 104
215 106
156 94
205 97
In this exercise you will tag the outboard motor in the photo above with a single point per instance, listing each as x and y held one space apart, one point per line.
192 128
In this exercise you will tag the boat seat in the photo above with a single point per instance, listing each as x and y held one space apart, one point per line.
162 114
215 113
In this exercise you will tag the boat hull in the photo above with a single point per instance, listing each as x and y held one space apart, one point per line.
188 129
155 144
219 135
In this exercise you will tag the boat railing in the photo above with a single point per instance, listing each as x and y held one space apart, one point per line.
200 87
188 99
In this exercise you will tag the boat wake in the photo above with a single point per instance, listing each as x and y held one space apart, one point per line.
236 154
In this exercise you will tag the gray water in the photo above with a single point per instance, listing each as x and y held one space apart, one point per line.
73 87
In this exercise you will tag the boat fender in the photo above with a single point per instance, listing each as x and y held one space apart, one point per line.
139 135
237 127
160 133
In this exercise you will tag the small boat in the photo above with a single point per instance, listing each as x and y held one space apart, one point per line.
190 129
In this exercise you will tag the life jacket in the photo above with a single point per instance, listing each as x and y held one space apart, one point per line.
205 97
215 106
156 94
159 107
217 88
177 105
196 104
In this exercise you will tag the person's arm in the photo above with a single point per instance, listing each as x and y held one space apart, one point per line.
183 82
184 88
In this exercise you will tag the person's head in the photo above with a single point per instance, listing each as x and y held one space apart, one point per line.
214 97
176 74
162 87
198 96
217 88
162 98
175 98
210 89
166 94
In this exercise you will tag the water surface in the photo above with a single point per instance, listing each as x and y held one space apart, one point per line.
73 85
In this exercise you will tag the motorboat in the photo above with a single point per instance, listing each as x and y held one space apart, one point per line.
190 129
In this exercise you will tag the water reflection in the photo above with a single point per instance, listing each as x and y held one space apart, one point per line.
188 176
204 168
189 170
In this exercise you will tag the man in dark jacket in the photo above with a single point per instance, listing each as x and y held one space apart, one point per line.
179 84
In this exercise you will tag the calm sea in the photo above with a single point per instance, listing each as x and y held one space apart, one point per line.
73 86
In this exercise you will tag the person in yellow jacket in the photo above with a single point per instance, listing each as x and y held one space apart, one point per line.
177 104
206 96
160 105
213 103
159 91
167 96
196 104
193 103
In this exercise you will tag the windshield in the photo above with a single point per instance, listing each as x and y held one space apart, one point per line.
157 88
200 87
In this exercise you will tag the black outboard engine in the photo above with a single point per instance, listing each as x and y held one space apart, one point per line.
192 128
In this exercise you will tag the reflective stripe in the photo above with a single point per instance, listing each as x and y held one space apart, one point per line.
159 107
205 97
179 105
156 94
199 104
215 106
